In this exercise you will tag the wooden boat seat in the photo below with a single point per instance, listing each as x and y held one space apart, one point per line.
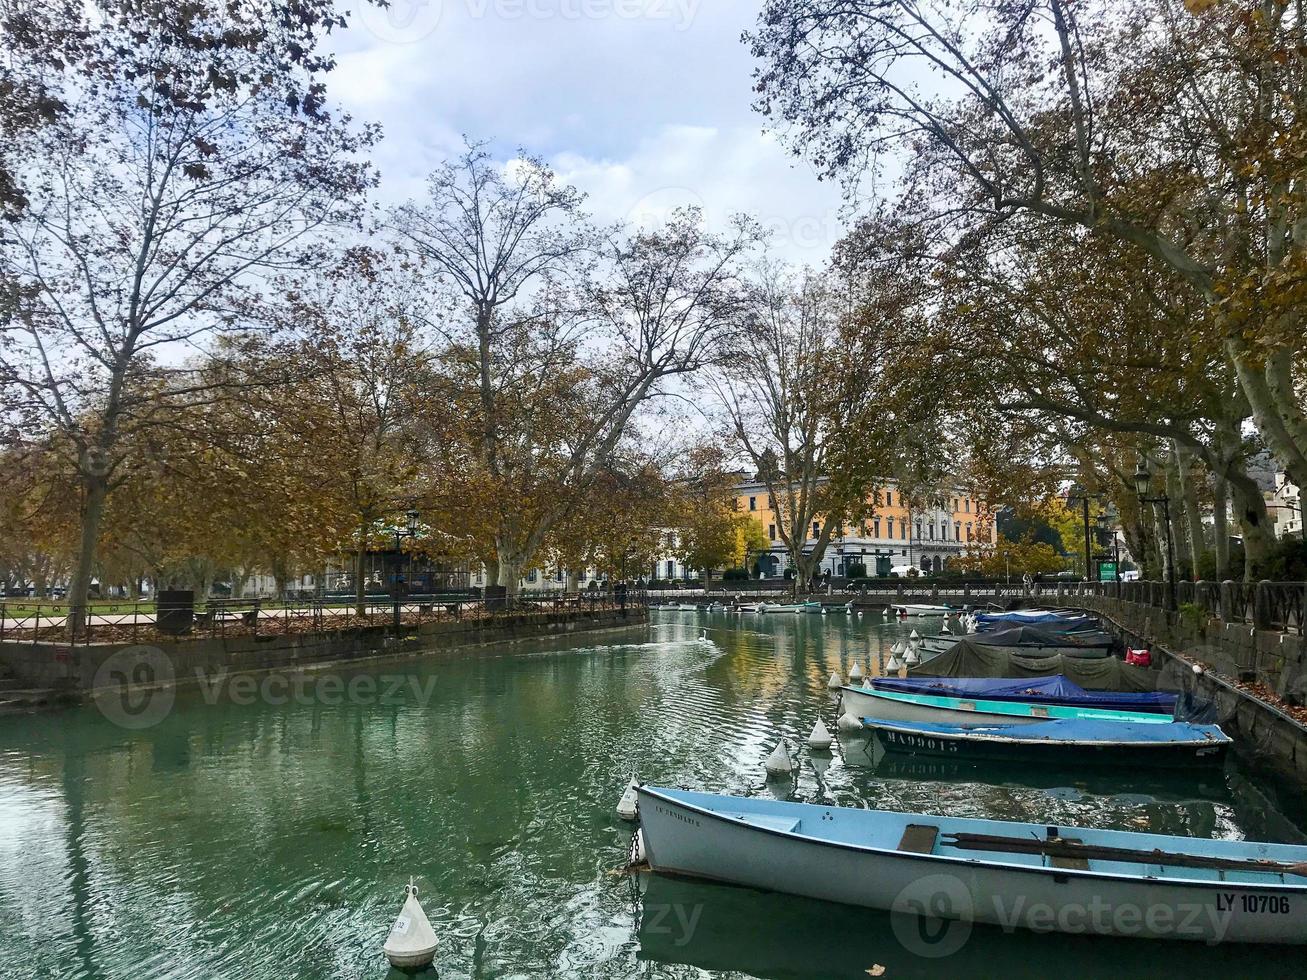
1073 861
919 838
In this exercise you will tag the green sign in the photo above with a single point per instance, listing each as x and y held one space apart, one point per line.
1107 571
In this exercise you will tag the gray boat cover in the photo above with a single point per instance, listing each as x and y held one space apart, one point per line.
967 658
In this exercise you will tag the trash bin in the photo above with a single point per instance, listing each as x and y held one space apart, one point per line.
175 611
496 598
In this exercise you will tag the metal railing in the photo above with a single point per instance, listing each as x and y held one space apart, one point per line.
36 622
1277 606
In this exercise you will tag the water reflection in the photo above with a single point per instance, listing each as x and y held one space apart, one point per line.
271 840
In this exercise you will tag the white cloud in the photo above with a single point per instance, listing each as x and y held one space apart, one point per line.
643 104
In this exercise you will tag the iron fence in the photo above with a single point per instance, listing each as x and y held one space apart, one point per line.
1279 606
139 622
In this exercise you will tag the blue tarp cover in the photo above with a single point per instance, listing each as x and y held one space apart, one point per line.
1057 689
1054 622
1070 729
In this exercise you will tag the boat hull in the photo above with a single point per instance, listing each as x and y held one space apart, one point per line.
1085 652
921 609
992 747
865 703
684 839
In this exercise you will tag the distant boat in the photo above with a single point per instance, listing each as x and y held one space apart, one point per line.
861 702
921 609
789 607
1114 882
1066 741
1057 689
1054 622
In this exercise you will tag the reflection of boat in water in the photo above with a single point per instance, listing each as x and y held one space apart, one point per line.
735 930
1201 783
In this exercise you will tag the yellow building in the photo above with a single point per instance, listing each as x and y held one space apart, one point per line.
894 538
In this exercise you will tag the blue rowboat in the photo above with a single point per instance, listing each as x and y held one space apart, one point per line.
1014 875
1057 689
1058 742
863 702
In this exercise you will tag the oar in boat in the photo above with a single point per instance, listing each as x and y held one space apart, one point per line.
1062 847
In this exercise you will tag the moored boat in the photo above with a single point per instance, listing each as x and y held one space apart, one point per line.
1058 742
1015 875
861 702
921 609
1057 689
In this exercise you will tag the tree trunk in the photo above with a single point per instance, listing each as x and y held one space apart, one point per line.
1221 527
360 562
1271 424
572 581
1160 532
1179 538
95 490
1192 513
508 571
1250 511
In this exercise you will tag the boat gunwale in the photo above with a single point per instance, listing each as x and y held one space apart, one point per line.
878 724
952 860
1102 714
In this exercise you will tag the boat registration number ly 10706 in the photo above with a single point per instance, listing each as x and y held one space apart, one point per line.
1255 904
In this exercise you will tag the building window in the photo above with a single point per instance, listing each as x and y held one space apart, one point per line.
771 531
889 498
957 531
918 530
531 575
930 529
966 506
753 503
903 530
878 527
816 529
671 569
889 521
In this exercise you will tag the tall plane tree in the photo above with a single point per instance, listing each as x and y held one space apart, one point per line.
568 332
191 153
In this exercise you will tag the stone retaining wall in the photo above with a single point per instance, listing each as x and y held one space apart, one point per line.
74 670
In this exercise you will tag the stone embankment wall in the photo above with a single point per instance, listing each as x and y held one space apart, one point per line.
77 670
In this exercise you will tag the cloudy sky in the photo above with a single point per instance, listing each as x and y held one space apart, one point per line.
643 104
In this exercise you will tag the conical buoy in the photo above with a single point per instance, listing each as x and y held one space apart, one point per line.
855 674
820 738
412 941
946 628
778 763
847 723
834 682
914 636
898 648
627 806
895 664
911 658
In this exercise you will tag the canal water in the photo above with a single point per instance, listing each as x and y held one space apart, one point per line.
269 833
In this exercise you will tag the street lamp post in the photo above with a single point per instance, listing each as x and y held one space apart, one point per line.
410 531
1143 479
1080 494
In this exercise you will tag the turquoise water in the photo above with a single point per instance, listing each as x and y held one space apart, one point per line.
240 837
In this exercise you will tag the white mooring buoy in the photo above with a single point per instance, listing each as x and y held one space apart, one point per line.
914 636
778 763
847 723
855 674
820 738
895 664
412 941
911 658
834 682
627 805
946 628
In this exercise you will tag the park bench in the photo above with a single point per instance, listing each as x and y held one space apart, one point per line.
229 610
